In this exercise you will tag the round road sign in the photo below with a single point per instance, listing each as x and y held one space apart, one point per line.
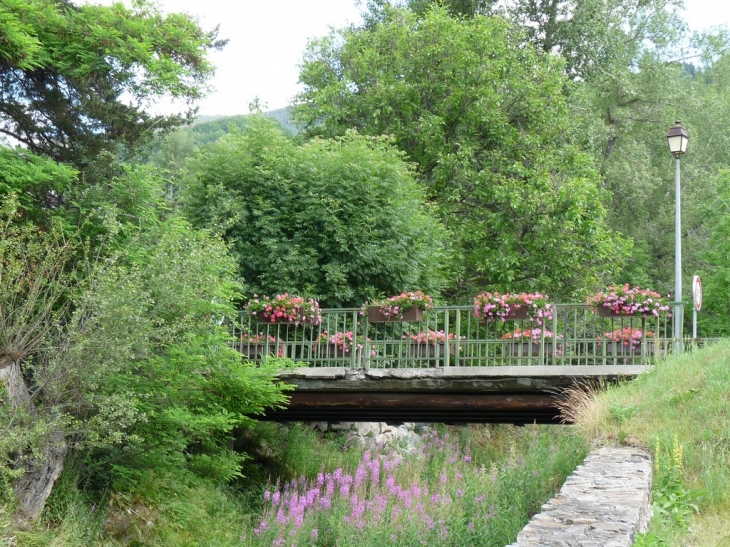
697 292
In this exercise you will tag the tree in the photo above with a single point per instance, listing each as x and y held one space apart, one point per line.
484 117
622 54
341 219
76 79
139 377
598 37
714 319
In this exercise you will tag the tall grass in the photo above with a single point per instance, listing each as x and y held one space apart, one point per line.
681 408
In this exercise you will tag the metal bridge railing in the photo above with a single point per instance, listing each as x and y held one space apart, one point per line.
574 336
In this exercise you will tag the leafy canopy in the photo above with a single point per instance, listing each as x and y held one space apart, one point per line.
341 219
76 79
484 117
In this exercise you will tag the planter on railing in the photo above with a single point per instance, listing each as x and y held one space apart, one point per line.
627 341
340 345
526 343
256 346
411 315
528 349
493 306
285 309
516 313
619 349
332 351
256 352
406 307
625 301
297 317
435 353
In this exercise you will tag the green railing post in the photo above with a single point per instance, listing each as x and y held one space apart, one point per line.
366 343
554 356
354 351
457 334
446 340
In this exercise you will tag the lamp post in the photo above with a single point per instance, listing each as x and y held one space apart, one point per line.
677 138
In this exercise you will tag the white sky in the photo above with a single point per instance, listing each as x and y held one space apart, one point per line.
267 39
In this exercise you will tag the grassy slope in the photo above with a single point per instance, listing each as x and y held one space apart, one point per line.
687 398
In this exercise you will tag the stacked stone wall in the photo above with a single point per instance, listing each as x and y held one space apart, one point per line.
605 503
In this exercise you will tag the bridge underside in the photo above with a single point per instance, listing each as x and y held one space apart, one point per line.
517 395
515 408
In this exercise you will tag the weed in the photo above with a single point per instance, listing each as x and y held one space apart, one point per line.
672 502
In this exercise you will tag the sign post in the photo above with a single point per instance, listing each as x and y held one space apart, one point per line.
696 302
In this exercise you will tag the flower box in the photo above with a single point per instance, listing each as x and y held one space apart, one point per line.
625 301
431 351
257 346
492 306
256 352
608 312
620 349
405 307
627 341
528 349
516 313
331 351
340 345
411 315
297 317
285 309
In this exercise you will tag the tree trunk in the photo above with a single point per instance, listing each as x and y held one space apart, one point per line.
44 466
33 488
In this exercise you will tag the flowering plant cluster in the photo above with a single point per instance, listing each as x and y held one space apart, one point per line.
395 306
489 306
627 336
257 339
623 300
285 308
530 334
384 493
344 341
440 494
432 337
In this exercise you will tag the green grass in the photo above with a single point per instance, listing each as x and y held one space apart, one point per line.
681 413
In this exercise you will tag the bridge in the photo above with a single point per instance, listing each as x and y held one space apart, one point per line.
448 366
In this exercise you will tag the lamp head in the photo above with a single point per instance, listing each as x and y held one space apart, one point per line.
677 138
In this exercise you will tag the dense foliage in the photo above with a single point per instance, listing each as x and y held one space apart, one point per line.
340 219
113 350
488 126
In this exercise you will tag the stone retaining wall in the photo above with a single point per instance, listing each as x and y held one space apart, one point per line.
605 503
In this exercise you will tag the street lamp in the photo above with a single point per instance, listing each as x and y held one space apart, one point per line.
677 138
